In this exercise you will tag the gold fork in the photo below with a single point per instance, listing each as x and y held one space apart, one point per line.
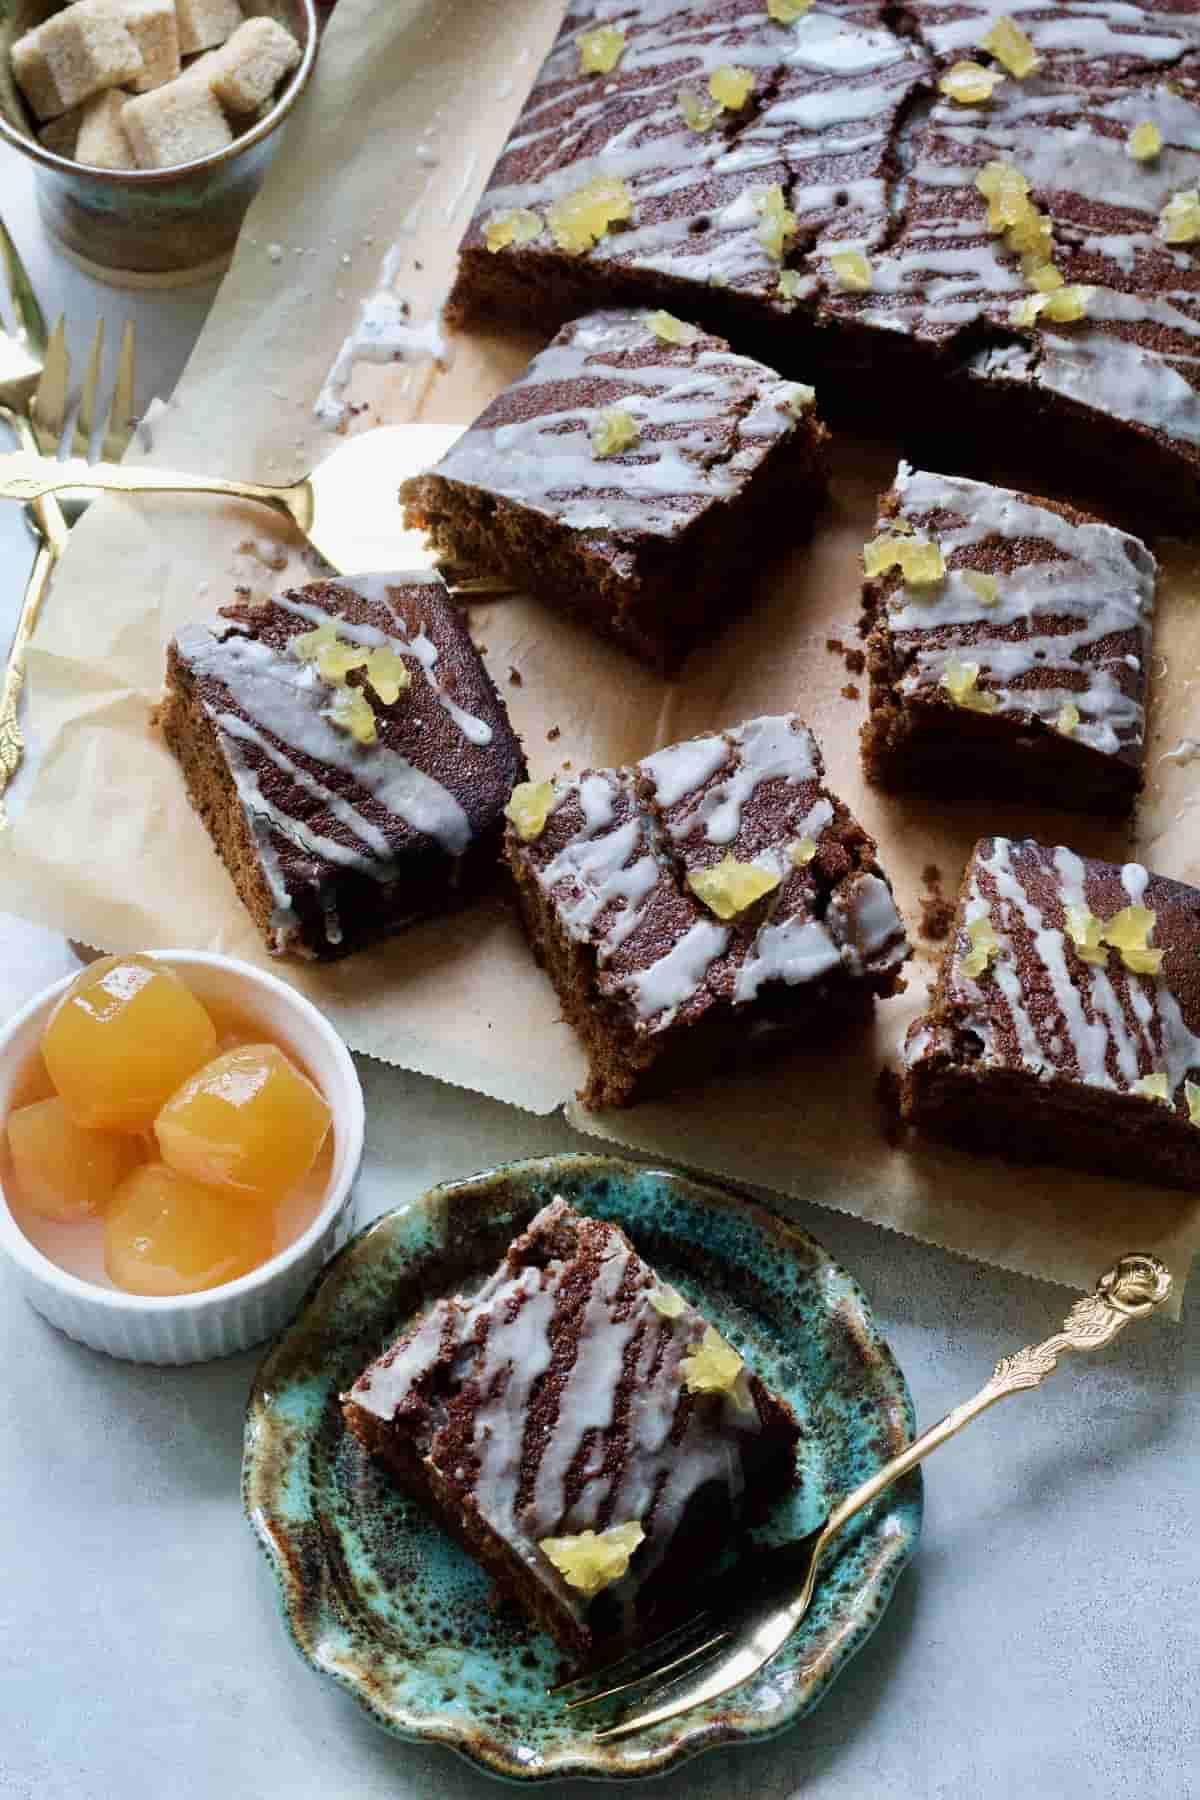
753 1610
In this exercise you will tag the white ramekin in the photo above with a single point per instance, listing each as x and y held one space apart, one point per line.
194 1327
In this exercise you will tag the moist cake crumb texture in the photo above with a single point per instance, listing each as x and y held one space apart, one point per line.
562 1399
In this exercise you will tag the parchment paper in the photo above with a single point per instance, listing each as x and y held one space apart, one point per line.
411 102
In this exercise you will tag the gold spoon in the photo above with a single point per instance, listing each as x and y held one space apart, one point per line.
347 508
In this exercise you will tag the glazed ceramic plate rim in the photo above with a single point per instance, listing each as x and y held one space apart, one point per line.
274 1444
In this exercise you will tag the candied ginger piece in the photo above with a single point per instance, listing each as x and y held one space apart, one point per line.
961 682
1010 47
1027 231
802 852
581 219
614 431
1179 222
701 115
919 560
1144 142
778 227
1042 276
1067 304
388 674
353 713
666 1302
788 11
337 659
984 947
1191 1093
852 269
903 525
790 284
61 1171
1086 932
520 227
730 886
1154 1087
122 1038
670 330
309 646
529 806
600 50
1026 312
1129 932
1067 719
712 1366
797 398
969 83
248 1120
984 587
593 1560
996 175
165 1234
730 86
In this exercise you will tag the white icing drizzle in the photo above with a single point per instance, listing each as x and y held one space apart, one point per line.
1101 580
662 988
1091 29
383 333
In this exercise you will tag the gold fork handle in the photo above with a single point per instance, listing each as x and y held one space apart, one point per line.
26 477
1132 1289
12 744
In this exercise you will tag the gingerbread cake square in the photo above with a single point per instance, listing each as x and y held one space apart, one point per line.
1008 647
1065 1022
579 1428
633 476
349 754
713 900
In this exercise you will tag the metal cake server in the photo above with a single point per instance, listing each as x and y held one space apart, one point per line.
752 1610
346 508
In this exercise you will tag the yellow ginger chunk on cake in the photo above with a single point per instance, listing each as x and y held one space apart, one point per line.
353 713
901 524
1067 304
730 886
701 115
786 12
1086 932
730 86
1154 1087
593 1560
1144 142
712 1366
1191 1093
337 659
529 806
670 330
388 674
852 270
797 398
520 227
615 430
961 682
919 560
666 1302
984 947
1129 932
1010 47
969 83
309 646
778 227
984 587
600 50
790 284
1179 222
802 852
579 220
1067 719
1030 234
1007 193
1042 276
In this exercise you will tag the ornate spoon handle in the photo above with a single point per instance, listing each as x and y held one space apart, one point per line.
27 477
1135 1287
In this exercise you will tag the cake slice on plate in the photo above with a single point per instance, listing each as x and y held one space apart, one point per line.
580 1428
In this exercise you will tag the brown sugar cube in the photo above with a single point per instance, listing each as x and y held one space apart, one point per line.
175 124
88 48
155 30
203 23
33 76
103 142
252 64
60 134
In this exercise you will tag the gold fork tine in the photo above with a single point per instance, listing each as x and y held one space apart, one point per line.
31 323
49 405
119 429
85 418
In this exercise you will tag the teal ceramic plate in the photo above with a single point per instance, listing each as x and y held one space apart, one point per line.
375 1595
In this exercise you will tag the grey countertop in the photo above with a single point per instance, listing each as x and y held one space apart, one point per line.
1045 1643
